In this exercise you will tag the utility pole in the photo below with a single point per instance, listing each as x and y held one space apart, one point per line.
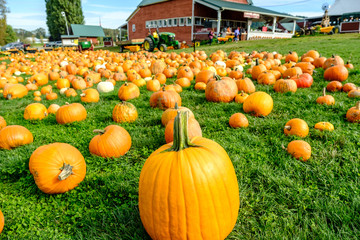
67 29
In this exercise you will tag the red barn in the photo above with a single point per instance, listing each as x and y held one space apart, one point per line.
193 19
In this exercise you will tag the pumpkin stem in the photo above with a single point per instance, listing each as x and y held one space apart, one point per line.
217 77
99 131
256 61
324 91
8 96
283 147
181 135
66 171
288 127
176 106
358 105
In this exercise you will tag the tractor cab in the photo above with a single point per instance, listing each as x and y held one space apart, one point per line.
84 44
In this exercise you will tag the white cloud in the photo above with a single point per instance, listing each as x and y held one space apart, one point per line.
28 21
307 14
108 19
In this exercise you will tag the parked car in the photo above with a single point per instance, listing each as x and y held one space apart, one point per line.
13 45
53 44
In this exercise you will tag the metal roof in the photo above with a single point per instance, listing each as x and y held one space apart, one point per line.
149 2
87 30
225 5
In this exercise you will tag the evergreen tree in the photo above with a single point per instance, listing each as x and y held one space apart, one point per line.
56 22
10 35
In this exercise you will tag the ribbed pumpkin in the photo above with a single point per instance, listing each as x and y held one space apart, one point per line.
57 167
259 104
246 85
257 70
266 78
352 115
334 60
304 80
113 141
12 91
334 86
190 184
291 57
153 85
62 83
14 136
221 90
90 95
325 99
124 112
348 87
293 71
157 66
238 120
297 127
324 126
170 114
306 67
70 113
194 129
337 73
2 221
299 149
128 91
165 99
285 85
185 72
35 111
2 122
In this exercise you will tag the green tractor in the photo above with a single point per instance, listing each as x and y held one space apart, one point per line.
161 41
84 44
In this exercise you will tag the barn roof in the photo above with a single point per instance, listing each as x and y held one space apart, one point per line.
341 7
87 30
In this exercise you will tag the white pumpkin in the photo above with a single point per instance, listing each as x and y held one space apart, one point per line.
17 73
220 64
62 91
148 79
105 87
64 63
238 68
97 67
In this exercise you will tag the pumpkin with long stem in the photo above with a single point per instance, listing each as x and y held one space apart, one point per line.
191 184
14 136
353 114
170 114
325 99
57 167
113 141
297 127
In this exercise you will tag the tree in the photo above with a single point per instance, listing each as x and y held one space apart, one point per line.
39 33
54 19
3 11
10 34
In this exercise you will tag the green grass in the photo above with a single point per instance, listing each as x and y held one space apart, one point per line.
281 198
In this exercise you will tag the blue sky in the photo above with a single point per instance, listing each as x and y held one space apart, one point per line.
30 15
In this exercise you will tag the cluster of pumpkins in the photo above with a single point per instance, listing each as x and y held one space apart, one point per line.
59 167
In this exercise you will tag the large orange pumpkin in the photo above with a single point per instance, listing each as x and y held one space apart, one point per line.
165 99
221 90
190 184
12 91
69 113
194 129
57 167
128 91
258 103
113 141
352 115
35 111
170 114
90 95
124 112
299 149
337 73
297 127
14 136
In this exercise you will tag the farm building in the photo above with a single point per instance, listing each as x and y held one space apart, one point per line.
90 32
193 19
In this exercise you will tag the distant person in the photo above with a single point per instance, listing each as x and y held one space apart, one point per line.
211 36
237 34
228 30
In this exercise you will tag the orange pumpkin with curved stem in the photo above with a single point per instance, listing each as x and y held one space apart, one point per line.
153 85
128 91
124 112
334 86
35 111
257 70
299 149
259 104
90 95
161 78
349 65
325 99
291 57
165 99
185 72
12 91
70 92
221 90
113 141
14 136
188 157
51 96
2 122
238 120
353 114
241 97
297 127
70 113
57 167
324 126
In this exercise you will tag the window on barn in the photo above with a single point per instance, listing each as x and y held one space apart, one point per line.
170 22
147 24
181 21
188 21
152 24
159 23
165 23
198 21
133 28
175 22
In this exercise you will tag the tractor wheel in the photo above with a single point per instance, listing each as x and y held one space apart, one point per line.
121 49
162 47
335 30
149 44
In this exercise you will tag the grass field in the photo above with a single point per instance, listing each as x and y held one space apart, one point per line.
280 197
